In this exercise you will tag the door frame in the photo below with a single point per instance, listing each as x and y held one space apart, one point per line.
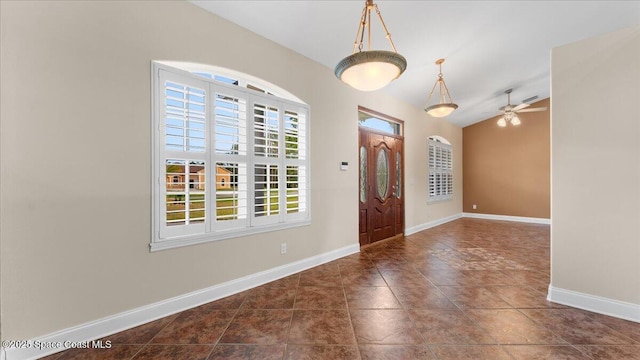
362 130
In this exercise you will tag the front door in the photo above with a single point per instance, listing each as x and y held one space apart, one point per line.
381 186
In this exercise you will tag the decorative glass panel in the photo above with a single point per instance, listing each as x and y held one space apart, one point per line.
382 173
398 176
363 174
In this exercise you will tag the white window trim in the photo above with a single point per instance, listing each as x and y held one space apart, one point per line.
443 144
213 232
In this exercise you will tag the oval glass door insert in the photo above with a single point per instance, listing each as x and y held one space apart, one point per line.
382 173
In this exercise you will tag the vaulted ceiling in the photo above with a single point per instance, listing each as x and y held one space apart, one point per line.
489 46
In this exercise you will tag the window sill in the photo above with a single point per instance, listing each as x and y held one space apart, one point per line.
436 201
175 242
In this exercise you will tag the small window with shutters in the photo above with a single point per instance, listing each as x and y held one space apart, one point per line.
230 158
440 169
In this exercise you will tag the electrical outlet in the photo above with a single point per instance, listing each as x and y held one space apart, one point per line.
283 248
474 206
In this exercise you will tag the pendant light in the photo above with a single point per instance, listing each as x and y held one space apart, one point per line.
445 105
369 70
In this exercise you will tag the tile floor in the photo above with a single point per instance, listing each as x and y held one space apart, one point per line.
468 289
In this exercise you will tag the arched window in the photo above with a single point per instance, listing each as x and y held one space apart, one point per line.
232 77
212 122
440 176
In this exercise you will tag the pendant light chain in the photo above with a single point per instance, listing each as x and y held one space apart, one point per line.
368 7
441 81
386 31
365 25
358 45
443 84
431 93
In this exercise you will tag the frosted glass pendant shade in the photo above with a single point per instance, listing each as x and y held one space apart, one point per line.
370 70
441 110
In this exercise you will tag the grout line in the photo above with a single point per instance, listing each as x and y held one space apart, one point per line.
230 321
156 334
293 309
348 310
413 322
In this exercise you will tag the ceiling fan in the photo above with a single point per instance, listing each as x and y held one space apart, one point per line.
509 111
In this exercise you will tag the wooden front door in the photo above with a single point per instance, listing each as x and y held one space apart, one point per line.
381 186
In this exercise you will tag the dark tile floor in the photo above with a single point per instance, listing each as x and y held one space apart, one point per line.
468 289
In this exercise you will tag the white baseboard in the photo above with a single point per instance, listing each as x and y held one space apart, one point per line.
507 218
112 324
430 224
593 303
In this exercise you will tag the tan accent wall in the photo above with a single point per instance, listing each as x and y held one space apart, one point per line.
75 94
595 232
506 171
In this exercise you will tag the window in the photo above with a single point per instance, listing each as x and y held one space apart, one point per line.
375 121
440 183
229 160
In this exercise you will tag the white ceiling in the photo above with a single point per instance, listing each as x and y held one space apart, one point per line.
489 46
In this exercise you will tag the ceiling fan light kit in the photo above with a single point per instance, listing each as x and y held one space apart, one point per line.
445 105
369 70
509 111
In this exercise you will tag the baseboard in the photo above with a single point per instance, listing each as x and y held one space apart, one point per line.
593 303
430 224
507 218
434 223
112 324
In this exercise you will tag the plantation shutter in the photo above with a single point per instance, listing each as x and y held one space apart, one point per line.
267 161
440 170
231 159
183 177
295 160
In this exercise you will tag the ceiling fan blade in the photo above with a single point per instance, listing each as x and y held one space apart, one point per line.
521 106
532 110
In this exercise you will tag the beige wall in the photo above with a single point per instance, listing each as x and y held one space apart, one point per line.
417 211
75 138
506 171
595 235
